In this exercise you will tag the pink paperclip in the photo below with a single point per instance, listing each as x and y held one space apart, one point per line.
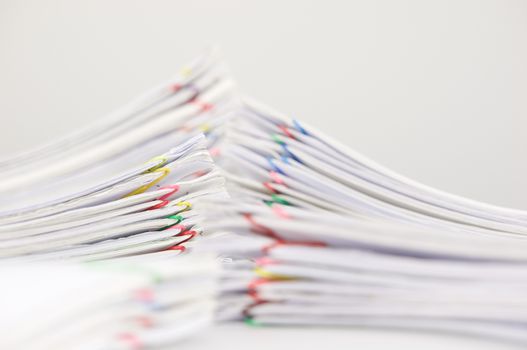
132 340
280 211
276 178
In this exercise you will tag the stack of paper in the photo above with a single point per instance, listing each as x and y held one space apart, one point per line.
123 215
309 231
347 242
127 189
129 184
105 305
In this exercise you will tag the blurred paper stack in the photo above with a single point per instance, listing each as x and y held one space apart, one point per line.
105 305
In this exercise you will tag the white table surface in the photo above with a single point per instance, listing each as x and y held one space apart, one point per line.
240 336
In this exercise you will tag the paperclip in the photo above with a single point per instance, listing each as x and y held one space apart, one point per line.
299 127
276 139
191 234
252 288
186 204
290 154
264 260
274 167
174 189
214 151
251 322
279 200
286 131
145 321
144 294
269 187
276 178
176 87
205 128
204 106
163 160
261 229
144 188
159 205
178 219
280 212
273 276
181 248
186 72
132 340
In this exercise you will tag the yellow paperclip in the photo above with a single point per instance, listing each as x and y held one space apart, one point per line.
186 72
163 160
141 189
205 127
186 204
266 274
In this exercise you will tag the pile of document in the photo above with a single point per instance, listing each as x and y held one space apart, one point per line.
129 189
130 184
126 304
344 241
119 216
308 231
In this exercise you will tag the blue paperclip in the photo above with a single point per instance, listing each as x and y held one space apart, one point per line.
299 127
274 167
290 155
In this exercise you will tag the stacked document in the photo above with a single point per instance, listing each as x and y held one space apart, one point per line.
344 241
145 209
130 184
128 189
309 232
105 305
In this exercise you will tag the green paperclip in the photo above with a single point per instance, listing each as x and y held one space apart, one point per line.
276 139
279 200
251 322
179 218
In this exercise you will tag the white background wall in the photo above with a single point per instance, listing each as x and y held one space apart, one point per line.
436 90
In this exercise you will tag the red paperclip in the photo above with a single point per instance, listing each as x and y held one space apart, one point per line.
269 187
159 205
286 131
176 87
174 189
247 309
190 234
252 289
261 229
181 248
204 106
